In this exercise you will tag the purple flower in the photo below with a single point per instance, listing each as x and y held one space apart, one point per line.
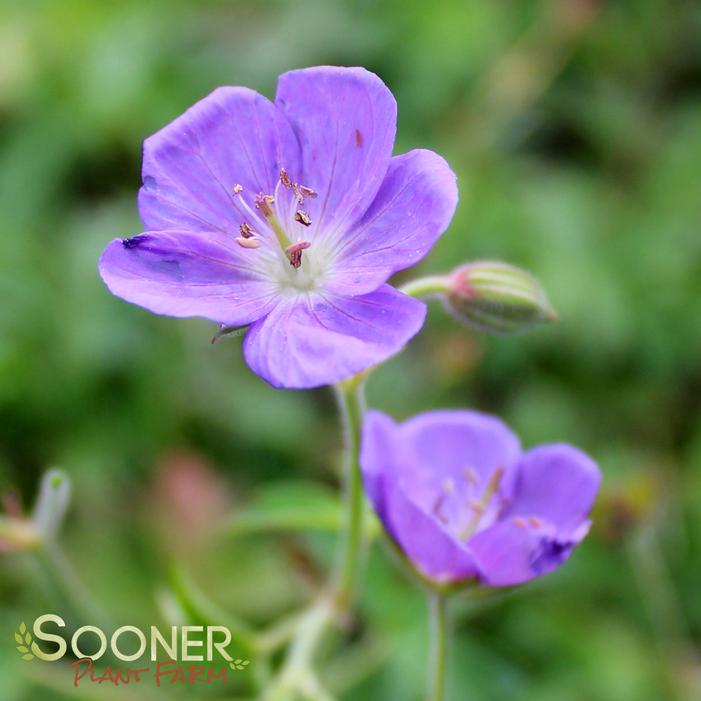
462 501
287 217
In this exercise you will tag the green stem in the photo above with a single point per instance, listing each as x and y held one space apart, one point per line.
297 673
311 631
351 397
440 634
297 677
427 286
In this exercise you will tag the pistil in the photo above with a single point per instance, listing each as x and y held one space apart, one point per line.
480 506
264 206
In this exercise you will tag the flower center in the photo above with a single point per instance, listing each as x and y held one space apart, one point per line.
470 506
264 228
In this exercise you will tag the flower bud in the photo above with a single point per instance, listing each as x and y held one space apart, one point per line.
497 298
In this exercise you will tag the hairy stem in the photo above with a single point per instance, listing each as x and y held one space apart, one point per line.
440 634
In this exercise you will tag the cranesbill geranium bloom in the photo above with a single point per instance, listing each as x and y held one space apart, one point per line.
287 217
463 502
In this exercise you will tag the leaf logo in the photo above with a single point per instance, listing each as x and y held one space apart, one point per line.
239 664
23 638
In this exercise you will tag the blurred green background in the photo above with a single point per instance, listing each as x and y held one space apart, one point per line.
575 129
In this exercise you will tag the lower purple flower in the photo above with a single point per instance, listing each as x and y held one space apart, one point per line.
463 502
287 217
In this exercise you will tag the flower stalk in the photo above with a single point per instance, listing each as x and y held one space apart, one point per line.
428 286
439 646
297 676
351 397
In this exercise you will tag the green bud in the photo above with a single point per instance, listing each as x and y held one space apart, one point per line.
497 298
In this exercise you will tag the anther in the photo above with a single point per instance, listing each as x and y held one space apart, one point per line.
302 217
294 252
471 476
447 489
298 194
237 189
520 522
246 231
285 178
246 242
448 486
306 191
534 522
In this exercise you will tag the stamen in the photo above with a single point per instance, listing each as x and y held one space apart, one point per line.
302 217
247 242
285 179
246 231
447 489
294 252
535 522
520 522
471 476
300 191
307 191
479 507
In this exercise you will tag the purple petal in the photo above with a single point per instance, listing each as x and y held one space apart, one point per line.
318 340
447 442
232 136
180 273
513 552
462 448
558 483
345 119
412 209
436 553
381 453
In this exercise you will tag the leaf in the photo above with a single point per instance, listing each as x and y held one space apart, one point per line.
289 506
28 657
28 638
18 638
23 648
22 628
293 506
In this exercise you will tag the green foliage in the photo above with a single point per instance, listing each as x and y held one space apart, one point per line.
290 506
